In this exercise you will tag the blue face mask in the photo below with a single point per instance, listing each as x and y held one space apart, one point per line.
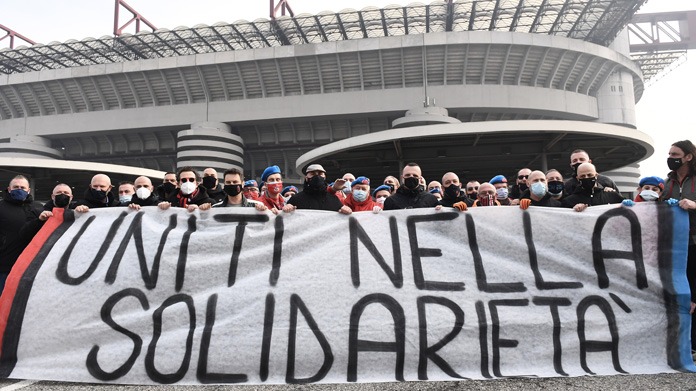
124 199
19 194
360 195
538 189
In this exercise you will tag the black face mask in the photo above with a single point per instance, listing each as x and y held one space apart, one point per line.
168 187
673 163
61 200
209 182
411 183
588 183
99 195
555 188
523 187
452 191
232 190
575 168
315 184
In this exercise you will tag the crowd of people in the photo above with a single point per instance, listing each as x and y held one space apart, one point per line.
21 217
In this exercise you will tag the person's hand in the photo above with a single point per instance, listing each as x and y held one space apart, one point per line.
628 203
134 206
205 206
376 209
461 205
345 210
692 308
339 184
45 215
687 204
261 207
580 207
192 207
288 208
672 202
609 189
514 201
274 211
524 203
82 209
164 205
438 207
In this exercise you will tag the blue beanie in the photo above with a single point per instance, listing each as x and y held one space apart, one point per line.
382 187
251 183
361 180
270 171
498 179
289 188
652 180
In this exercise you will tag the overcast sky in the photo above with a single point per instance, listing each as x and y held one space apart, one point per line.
665 111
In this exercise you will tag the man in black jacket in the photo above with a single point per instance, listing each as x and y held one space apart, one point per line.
452 191
191 195
314 195
16 208
408 195
144 195
538 192
590 192
212 185
98 195
578 157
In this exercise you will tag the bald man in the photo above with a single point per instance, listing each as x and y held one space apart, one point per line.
538 194
99 194
144 193
589 191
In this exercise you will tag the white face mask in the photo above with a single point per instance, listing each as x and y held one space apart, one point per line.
380 200
188 187
501 193
649 195
143 193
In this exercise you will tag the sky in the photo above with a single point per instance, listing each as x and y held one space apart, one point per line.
665 112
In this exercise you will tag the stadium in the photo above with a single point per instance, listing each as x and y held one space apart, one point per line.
475 87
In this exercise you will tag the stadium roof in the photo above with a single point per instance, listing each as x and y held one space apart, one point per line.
596 21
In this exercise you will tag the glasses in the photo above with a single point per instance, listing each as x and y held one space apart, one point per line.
184 180
522 176
472 188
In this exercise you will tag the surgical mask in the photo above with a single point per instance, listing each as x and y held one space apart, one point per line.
61 200
168 187
232 190
588 183
411 183
19 194
649 195
274 188
452 191
125 198
209 182
673 163
555 188
188 187
538 189
98 194
143 193
360 195
380 200
501 193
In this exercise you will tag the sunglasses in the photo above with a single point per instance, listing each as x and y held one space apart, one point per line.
472 188
183 180
523 177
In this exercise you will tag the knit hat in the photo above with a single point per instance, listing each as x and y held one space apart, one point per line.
269 171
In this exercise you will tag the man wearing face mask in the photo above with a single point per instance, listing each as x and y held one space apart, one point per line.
590 192
410 194
314 194
380 193
168 186
650 189
143 194
555 185
501 189
472 188
452 192
359 200
486 196
521 184
125 193
271 198
16 208
578 157
392 182
212 187
190 195
538 194
234 182
98 195
289 191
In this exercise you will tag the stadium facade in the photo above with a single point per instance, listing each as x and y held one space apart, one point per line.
475 87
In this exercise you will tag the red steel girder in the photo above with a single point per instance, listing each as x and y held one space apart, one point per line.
12 34
137 18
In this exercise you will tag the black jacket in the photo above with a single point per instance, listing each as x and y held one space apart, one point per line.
448 202
408 199
572 184
13 216
152 200
596 197
225 203
200 198
218 194
315 199
92 202
547 200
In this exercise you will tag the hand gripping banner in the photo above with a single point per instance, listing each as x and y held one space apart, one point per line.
238 296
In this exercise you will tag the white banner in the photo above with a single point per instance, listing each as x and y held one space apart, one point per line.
236 296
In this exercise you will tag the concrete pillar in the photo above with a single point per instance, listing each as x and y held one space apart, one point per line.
209 144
